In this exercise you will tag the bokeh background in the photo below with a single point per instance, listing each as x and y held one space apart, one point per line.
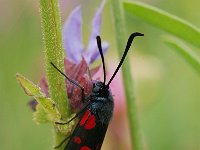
167 89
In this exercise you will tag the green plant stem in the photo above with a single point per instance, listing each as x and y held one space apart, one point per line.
120 29
51 28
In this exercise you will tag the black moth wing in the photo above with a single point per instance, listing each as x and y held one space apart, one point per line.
91 139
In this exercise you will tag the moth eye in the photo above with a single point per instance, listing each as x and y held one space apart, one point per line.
93 85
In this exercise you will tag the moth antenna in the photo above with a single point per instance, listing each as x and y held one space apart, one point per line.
102 57
128 45
70 80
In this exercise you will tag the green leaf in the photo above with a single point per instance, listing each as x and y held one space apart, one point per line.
40 116
185 52
33 90
165 21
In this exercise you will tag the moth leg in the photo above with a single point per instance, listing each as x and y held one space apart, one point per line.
80 112
70 80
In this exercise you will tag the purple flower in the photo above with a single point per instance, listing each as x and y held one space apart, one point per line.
72 37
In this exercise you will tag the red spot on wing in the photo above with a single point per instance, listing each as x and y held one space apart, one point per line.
77 140
84 118
90 123
88 120
85 148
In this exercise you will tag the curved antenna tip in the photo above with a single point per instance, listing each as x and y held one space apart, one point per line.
128 45
137 34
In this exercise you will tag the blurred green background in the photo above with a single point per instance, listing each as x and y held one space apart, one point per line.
166 87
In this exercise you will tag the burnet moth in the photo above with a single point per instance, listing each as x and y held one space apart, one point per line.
95 116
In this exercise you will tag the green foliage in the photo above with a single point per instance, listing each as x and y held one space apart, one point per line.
172 24
185 52
40 116
165 21
50 111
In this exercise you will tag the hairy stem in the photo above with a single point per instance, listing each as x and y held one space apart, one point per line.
51 28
